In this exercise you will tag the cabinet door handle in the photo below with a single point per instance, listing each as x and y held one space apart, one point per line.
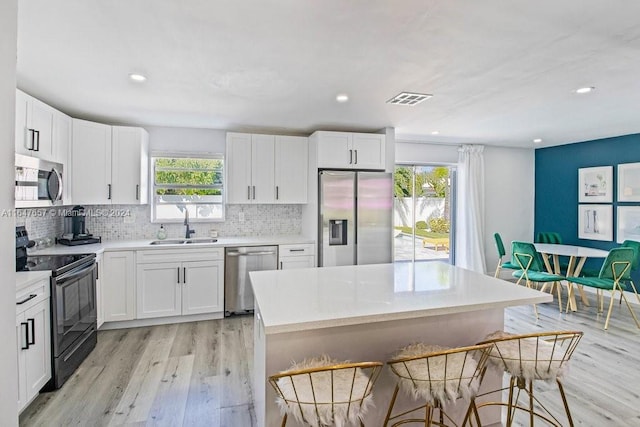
277 192
356 161
254 192
178 274
108 191
25 346
97 271
32 341
38 139
137 191
32 139
350 157
296 250
248 192
184 275
280 265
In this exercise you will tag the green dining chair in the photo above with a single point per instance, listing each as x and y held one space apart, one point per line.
501 253
555 238
532 270
615 268
634 265
548 237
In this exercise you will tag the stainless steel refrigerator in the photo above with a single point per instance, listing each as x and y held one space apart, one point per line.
355 217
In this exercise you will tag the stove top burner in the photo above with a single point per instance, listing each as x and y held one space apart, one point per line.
58 264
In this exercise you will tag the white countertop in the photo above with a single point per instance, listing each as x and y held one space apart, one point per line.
304 299
119 245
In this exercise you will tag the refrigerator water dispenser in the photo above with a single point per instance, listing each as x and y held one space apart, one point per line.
337 232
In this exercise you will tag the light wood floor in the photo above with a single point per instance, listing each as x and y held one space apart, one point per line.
199 374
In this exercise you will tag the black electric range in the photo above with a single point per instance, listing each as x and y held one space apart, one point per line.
73 305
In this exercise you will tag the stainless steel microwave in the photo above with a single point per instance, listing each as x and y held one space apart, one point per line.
38 182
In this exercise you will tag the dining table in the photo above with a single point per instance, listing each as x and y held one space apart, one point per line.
577 257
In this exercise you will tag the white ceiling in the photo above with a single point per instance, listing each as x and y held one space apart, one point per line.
501 72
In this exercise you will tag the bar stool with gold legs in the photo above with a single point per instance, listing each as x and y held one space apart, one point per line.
527 358
323 392
437 376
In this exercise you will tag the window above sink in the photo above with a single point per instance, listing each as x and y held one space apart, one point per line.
193 182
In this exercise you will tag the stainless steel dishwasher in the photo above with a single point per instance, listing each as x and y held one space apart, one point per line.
238 262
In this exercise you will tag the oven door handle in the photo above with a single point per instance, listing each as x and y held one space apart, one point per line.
74 274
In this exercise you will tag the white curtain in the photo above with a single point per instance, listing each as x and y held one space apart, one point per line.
470 209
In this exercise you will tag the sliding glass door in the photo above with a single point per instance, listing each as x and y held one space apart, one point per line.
423 210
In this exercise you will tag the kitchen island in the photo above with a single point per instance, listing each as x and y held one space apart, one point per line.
366 313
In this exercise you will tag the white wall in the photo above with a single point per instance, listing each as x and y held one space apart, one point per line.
8 357
509 198
186 139
509 189
428 153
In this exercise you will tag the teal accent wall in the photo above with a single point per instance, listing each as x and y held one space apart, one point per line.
556 185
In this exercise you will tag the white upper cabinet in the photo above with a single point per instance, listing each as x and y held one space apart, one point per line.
34 127
262 169
349 150
291 166
238 167
266 169
129 165
110 164
91 163
61 140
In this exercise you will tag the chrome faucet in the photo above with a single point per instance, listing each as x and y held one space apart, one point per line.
188 231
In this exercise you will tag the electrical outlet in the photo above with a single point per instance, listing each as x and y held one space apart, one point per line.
241 217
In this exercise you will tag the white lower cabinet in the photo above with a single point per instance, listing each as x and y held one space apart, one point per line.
33 331
296 256
178 282
118 286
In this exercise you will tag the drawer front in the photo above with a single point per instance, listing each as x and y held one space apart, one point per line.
297 250
32 295
172 255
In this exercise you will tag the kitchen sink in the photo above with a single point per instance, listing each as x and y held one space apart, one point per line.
201 240
184 241
168 242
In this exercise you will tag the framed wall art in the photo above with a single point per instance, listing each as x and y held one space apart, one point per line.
595 222
628 223
595 185
629 182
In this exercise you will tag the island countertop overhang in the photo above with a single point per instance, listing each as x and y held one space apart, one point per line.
316 298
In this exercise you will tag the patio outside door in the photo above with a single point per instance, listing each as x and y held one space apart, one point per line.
424 204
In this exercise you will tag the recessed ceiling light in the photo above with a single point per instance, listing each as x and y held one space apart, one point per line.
435 132
585 89
537 140
408 98
137 77
343 97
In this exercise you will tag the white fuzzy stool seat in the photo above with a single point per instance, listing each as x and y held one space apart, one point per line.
437 376
322 391
530 357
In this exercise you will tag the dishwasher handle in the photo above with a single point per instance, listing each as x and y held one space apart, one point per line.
235 253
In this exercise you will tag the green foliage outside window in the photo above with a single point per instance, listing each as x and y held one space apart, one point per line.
432 183
187 177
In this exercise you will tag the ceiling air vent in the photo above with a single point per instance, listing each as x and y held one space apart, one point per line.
408 98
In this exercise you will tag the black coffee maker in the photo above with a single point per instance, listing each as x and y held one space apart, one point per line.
74 222
75 232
